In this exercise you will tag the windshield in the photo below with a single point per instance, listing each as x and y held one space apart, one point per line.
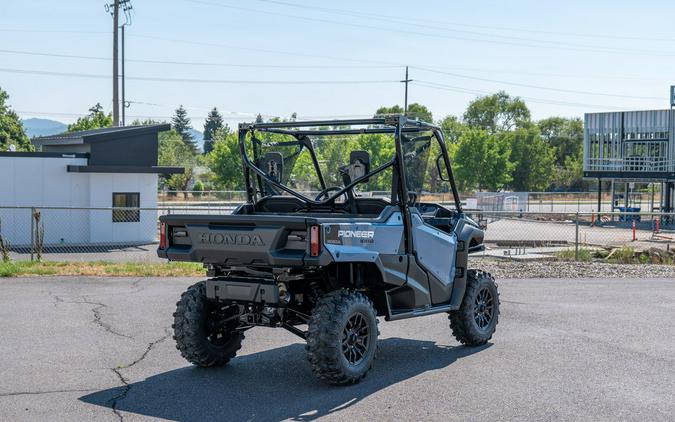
341 159
423 179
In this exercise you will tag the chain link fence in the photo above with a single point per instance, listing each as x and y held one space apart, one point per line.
131 234
87 234
529 233
541 202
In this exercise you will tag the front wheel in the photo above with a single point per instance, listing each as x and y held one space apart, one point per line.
342 337
474 323
205 332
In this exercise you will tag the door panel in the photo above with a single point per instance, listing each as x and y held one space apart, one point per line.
435 251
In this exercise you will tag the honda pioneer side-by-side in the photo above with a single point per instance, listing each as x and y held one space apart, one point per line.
372 240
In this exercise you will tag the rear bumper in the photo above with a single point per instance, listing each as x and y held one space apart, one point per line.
275 258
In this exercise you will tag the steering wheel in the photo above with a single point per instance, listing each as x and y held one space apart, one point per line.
326 191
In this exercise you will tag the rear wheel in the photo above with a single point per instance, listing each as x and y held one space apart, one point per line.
205 332
474 323
342 337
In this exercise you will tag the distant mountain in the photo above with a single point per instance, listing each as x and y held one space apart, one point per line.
42 127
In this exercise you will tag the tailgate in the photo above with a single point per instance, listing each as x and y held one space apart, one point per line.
236 239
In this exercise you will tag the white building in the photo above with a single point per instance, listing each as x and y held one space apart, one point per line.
75 179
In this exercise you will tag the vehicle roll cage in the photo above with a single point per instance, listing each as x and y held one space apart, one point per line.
393 124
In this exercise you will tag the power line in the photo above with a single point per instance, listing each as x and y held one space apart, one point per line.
311 66
463 90
189 63
55 31
320 82
539 43
569 91
499 40
221 45
426 23
204 81
262 50
240 116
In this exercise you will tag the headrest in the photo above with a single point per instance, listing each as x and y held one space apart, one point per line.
273 165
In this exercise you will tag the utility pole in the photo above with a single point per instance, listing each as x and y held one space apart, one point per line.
406 81
115 97
126 7
114 10
124 103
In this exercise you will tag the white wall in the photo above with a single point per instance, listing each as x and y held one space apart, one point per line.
101 226
45 182
42 181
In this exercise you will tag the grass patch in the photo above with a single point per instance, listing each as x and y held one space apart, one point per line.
570 255
100 268
623 255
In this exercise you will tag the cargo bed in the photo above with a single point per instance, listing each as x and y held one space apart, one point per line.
265 240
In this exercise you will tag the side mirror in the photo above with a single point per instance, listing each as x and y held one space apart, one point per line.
442 170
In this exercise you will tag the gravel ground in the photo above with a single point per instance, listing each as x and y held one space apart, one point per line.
504 268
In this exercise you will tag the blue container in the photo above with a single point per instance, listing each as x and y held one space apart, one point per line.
628 216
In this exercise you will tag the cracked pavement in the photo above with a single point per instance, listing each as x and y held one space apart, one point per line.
101 349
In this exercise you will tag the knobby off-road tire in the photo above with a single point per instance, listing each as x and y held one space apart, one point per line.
342 337
201 342
474 323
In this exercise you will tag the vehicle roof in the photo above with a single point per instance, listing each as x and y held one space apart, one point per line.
377 124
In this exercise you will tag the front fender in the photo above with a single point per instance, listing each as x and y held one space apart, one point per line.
469 235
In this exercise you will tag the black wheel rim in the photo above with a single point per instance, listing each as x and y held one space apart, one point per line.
483 307
355 339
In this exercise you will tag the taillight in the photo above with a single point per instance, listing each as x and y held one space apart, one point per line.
314 240
162 235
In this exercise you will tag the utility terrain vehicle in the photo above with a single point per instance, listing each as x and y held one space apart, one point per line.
335 260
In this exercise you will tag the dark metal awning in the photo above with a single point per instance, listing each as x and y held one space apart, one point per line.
126 169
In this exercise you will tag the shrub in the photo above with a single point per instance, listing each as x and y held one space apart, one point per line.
623 255
570 255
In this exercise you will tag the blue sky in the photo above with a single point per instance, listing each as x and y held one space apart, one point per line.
564 58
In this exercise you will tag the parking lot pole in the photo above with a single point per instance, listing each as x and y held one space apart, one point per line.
576 237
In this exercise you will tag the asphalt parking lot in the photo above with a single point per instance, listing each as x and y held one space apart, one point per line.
100 349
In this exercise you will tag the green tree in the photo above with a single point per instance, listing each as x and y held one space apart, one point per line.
482 161
180 122
213 123
420 112
395 109
174 152
224 161
533 160
94 120
452 129
497 113
565 135
570 175
11 130
415 111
